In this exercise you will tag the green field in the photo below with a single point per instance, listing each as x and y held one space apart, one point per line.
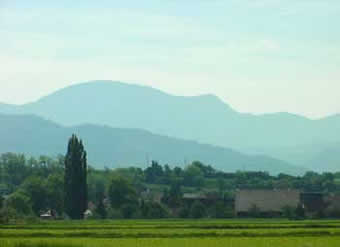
190 233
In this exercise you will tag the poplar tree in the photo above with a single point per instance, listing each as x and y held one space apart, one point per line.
75 179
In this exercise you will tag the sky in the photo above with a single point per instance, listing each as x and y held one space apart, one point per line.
259 56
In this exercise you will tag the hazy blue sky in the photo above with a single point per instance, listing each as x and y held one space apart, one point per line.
257 55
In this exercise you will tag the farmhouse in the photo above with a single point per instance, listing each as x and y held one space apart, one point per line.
265 201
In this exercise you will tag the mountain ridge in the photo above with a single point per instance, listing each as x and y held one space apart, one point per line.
204 95
113 147
205 118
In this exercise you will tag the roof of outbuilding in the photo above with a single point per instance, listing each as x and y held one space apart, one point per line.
194 196
266 200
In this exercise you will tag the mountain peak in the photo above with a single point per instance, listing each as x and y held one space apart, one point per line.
108 84
116 92
213 101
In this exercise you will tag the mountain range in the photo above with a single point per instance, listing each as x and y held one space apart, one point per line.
205 119
113 147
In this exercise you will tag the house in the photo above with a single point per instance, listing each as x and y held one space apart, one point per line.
49 215
271 202
87 214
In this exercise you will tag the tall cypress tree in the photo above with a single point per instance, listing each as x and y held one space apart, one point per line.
75 179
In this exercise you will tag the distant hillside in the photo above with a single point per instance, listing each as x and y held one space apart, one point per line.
326 159
113 147
204 118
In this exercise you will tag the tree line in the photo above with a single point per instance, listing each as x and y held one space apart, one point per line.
67 186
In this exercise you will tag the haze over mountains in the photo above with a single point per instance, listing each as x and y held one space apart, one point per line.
113 147
205 119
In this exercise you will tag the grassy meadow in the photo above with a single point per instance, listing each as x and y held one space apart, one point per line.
168 233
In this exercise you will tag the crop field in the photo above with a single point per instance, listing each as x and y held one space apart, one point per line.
171 233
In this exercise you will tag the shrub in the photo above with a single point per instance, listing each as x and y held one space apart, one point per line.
184 212
20 203
128 210
3 216
333 213
254 211
197 210
288 212
220 211
300 212
101 210
157 211
113 213
2 201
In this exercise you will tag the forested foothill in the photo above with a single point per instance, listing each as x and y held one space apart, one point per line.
30 187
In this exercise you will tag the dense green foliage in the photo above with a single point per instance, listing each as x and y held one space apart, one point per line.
121 192
75 179
155 192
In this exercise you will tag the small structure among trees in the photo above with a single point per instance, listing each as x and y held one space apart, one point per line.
49 215
265 202
205 198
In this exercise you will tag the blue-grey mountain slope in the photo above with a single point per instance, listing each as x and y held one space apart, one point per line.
204 118
114 147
